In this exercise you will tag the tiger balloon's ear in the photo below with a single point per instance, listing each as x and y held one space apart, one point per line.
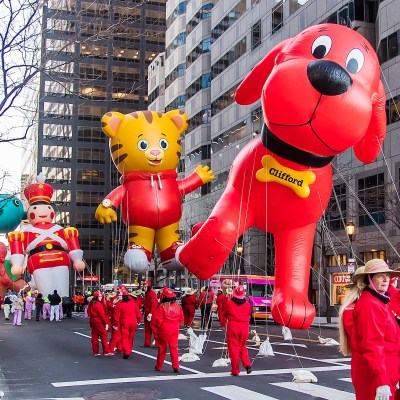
110 123
368 148
179 118
249 91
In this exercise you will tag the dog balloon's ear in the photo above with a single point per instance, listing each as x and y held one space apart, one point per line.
249 91
368 148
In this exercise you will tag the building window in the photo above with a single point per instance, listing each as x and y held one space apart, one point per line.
257 120
62 197
90 177
229 19
180 9
255 35
339 260
89 134
371 192
92 242
389 47
277 17
372 254
220 181
228 58
57 132
344 16
229 137
179 40
203 82
203 47
93 156
223 101
178 102
203 13
393 110
335 214
88 198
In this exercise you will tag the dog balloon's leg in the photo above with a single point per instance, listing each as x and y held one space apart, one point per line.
290 305
208 249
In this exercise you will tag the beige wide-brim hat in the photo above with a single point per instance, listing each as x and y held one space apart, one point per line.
377 266
357 274
190 291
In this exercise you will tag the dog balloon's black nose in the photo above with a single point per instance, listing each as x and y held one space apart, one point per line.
328 77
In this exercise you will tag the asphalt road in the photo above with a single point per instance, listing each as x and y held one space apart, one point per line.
43 360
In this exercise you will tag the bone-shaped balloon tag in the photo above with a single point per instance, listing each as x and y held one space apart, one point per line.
273 171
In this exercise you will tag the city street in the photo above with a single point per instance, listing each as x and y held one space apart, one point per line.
43 360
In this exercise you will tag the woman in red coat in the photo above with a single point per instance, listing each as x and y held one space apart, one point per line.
166 322
346 327
189 302
376 352
237 316
127 315
98 321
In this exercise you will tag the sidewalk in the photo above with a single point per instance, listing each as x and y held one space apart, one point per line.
321 321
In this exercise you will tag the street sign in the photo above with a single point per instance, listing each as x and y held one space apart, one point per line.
351 265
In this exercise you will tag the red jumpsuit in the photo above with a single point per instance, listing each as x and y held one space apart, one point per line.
115 341
189 303
97 320
167 320
150 305
221 301
206 299
376 352
128 315
237 318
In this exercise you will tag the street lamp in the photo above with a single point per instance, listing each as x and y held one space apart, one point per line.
350 229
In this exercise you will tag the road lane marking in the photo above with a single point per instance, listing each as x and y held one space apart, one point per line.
233 392
346 380
191 376
316 391
291 355
150 356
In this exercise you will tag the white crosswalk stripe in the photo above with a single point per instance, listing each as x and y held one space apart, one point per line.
316 391
233 392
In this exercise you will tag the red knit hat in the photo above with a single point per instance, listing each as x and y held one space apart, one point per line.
169 293
239 292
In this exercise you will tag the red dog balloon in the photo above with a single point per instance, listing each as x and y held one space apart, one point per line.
321 94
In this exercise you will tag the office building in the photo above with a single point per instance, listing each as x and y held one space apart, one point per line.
95 59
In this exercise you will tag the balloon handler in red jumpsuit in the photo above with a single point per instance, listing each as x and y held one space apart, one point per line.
150 305
98 321
166 322
189 305
49 247
128 316
237 316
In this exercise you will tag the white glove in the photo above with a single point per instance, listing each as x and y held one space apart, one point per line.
115 328
383 392
149 317
106 327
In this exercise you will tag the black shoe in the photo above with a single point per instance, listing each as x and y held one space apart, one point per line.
126 356
176 370
249 369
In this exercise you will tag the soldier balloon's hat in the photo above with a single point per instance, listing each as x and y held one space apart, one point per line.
40 192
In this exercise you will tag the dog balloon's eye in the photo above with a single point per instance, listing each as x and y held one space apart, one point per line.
321 46
355 61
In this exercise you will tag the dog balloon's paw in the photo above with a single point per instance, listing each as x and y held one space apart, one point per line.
293 311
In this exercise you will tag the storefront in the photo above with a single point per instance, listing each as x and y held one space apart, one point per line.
340 280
